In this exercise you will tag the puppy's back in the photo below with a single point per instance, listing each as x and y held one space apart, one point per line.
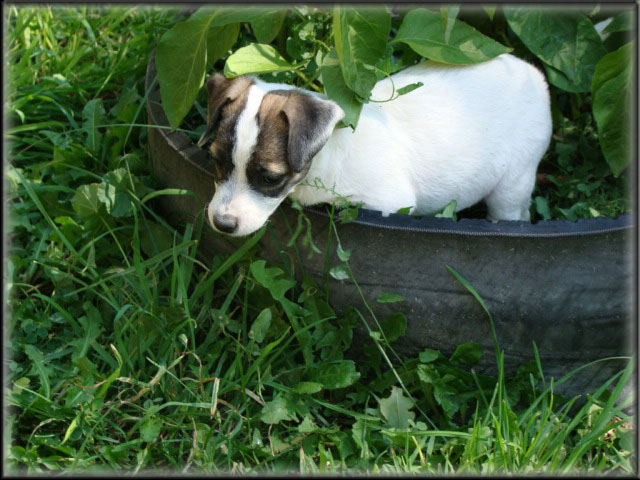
460 133
498 95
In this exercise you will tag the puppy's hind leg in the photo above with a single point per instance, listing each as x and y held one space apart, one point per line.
508 212
511 198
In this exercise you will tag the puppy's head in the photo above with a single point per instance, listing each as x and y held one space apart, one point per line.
265 141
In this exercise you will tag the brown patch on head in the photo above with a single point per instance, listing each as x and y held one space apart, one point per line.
227 99
293 127
268 170
273 133
223 93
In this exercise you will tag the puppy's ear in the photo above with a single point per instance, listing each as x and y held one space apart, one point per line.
221 91
311 121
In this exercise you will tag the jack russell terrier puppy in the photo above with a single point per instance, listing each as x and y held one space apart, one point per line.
470 133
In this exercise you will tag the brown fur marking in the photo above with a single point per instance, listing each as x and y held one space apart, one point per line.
227 99
270 157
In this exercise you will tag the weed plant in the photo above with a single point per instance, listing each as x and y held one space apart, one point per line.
127 351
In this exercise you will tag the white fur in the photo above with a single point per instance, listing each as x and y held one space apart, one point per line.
235 198
471 133
247 128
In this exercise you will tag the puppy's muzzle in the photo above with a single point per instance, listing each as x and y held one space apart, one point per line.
225 223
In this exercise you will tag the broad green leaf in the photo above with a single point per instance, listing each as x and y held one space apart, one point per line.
307 387
39 367
118 203
445 396
612 100
360 36
107 195
422 30
293 310
449 211
220 40
360 437
255 58
181 56
181 60
267 26
428 374
389 298
612 65
219 16
335 374
307 425
68 227
429 355
404 211
128 97
467 353
343 255
86 201
93 117
22 382
339 272
622 22
116 197
267 277
261 325
256 438
542 207
394 326
337 90
448 15
567 43
396 409
389 64
349 213
150 429
275 411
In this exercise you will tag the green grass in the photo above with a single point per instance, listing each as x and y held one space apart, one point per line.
128 351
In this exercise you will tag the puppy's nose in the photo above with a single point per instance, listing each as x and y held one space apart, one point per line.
225 223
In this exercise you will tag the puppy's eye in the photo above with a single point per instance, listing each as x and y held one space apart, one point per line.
271 179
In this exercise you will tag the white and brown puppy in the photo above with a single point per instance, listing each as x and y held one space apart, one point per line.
471 133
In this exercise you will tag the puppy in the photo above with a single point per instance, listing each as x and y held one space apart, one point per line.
470 133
